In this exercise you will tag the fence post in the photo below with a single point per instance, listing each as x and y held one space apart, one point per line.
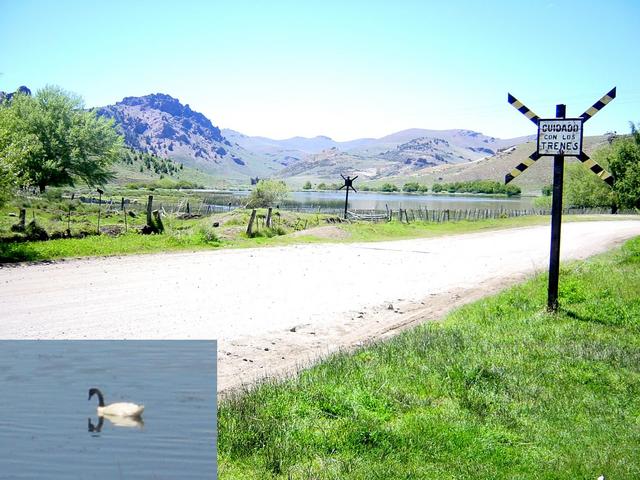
23 218
268 222
158 221
251 220
149 208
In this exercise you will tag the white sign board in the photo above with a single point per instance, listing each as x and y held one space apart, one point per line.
560 136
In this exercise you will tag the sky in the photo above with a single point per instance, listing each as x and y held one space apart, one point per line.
344 69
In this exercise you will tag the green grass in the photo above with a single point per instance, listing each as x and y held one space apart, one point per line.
499 389
197 234
51 213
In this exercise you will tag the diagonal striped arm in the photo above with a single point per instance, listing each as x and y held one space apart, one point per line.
533 158
597 169
599 105
522 108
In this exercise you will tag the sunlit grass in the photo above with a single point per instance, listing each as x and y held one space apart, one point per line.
499 389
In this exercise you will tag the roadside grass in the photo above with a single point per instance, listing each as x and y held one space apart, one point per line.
499 389
51 213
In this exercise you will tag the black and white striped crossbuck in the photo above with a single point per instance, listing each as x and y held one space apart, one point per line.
559 136
583 157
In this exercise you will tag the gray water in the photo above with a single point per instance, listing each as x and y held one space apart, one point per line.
379 201
45 416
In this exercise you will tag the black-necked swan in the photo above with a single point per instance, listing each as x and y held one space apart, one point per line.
121 409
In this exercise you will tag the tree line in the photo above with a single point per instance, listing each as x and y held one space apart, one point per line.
490 187
583 189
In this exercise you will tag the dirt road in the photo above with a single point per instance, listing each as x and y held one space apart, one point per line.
274 309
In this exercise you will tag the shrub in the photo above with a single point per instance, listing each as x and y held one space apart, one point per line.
267 193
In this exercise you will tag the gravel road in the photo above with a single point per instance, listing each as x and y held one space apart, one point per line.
274 309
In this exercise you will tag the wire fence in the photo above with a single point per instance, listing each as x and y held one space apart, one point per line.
202 208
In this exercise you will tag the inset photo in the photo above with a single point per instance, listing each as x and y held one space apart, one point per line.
108 409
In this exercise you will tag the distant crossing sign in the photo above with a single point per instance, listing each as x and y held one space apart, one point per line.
559 137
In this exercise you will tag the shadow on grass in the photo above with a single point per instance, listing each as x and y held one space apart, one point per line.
18 252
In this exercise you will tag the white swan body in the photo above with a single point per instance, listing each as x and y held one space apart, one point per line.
120 409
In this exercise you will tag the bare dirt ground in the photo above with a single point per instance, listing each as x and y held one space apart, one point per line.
274 310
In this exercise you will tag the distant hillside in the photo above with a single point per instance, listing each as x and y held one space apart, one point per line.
144 168
497 166
405 153
159 124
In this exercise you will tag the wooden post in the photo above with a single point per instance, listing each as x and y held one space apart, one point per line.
23 218
188 208
268 221
124 213
556 223
346 202
251 220
149 208
99 209
159 227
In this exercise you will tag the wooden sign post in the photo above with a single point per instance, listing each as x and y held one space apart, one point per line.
559 137
348 183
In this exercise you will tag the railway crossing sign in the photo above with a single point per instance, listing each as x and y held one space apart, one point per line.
348 183
559 137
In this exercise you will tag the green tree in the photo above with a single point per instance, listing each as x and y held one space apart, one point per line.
388 187
624 162
52 141
622 159
410 187
307 185
266 193
584 189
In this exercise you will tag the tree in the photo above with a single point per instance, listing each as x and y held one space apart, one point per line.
388 187
266 193
410 187
622 159
584 189
307 185
52 141
624 162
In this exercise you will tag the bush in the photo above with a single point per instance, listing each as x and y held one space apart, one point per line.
489 187
33 231
267 193
411 187
389 187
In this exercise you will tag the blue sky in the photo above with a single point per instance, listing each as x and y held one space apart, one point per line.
345 69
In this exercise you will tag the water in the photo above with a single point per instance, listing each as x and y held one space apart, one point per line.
328 200
46 419
377 201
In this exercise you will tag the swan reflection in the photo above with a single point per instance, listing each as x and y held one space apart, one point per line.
127 422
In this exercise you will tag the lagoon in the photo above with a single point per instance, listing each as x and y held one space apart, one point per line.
48 428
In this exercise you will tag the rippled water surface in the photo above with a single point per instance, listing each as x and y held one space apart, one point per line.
46 419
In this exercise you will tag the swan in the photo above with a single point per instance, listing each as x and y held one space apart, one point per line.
121 409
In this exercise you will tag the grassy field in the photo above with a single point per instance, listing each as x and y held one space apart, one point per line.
499 389
120 231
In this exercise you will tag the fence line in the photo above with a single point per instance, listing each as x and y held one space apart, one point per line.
436 215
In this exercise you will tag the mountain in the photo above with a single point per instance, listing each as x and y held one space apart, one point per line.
161 125
407 153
